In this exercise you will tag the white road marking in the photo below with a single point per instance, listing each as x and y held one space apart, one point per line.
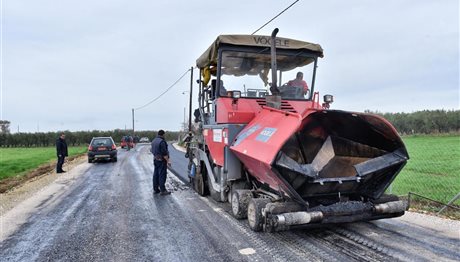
247 251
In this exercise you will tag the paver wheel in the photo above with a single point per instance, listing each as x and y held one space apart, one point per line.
255 218
240 202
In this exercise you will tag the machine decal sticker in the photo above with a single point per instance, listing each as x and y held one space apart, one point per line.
244 134
265 134
217 135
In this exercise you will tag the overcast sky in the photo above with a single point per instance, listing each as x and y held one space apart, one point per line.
82 65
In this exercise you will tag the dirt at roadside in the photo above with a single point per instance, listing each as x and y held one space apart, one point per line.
45 169
15 190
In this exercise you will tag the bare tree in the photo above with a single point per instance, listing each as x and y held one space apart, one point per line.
4 127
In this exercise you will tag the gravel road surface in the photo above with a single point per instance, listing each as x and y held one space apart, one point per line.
107 212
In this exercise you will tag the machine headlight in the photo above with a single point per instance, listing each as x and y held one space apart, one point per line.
328 99
236 94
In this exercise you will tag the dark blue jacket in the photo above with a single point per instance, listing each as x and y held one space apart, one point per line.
159 148
61 147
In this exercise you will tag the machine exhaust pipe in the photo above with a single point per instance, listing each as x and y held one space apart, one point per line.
391 207
274 87
298 218
274 100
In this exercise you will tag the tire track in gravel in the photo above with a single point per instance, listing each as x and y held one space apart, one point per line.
406 243
187 225
219 224
352 250
83 232
42 228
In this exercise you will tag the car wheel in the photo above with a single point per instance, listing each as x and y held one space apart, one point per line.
114 159
90 160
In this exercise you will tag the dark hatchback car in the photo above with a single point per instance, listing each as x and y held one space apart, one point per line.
102 148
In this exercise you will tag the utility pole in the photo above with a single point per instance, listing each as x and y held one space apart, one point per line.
133 120
190 101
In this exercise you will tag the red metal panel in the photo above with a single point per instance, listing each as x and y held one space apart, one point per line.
216 141
236 111
243 110
259 143
263 173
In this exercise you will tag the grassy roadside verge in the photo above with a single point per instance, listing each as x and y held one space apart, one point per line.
433 169
17 162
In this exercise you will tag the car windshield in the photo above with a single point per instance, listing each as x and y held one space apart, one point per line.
102 142
250 73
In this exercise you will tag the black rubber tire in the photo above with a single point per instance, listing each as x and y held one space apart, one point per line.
90 160
114 159
255 219
240 201
199 184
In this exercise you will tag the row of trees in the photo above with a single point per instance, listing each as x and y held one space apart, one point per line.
425 122
78 138
421 122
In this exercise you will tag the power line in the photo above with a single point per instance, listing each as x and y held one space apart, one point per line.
169 88
275 16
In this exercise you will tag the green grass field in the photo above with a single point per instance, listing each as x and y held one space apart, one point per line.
433 169
18 161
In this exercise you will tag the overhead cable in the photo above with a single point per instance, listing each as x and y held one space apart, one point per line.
169 88
275 16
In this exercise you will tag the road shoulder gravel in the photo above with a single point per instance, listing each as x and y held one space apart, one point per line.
17 204
444 226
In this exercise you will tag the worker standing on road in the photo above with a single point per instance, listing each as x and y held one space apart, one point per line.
160 162
61 152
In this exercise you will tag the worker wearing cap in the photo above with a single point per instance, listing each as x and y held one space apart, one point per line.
160 162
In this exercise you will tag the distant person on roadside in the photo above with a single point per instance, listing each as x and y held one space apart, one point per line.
187 141
299 82
161 162
129 141
61 151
